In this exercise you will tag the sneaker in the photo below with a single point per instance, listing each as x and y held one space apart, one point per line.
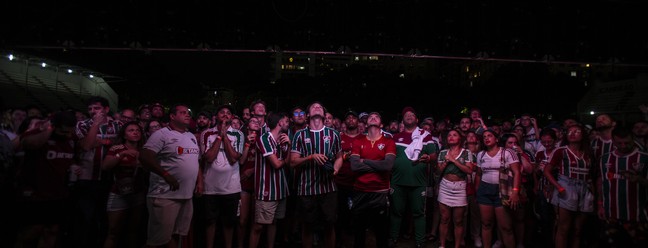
478 242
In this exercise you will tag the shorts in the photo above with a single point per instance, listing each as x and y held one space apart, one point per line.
577 196
488 194
453 194
316 208
118 202
224 207
167 217
266 212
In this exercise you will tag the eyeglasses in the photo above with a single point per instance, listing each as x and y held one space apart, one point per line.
302 113
575 132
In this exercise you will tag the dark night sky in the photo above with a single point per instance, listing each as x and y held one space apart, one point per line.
98 36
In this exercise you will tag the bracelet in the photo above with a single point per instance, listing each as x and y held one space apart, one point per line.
165 173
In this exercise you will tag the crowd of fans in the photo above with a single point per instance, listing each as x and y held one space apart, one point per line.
163 176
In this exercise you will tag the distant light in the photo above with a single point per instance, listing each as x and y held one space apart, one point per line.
356 58
11 57
402 75
591 112
69 70
587 65
91 76
290 59
189 110
467 68
301 67
273 82
574 74
43 65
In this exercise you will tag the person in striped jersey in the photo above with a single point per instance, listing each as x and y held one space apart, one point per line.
313 151
623 190
573 188
603 144
270 183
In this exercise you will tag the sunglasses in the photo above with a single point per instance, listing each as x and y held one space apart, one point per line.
302 113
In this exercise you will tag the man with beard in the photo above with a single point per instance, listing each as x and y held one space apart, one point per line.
603 144
415 148
203 122
623 192
344 177
157 111
313 151
288 224
297 121
221 148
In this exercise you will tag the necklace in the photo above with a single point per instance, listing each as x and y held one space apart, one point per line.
373 141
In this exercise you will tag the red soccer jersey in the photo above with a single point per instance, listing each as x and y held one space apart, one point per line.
128 174
373 150
45 171
345 176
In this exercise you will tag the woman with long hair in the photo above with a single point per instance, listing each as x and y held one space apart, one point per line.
127 196
527 162
573 194
472 219
455 164
248 156
489 163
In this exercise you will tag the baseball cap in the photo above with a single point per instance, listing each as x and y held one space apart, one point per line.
221 107
351 113
374 113
204 113
408 109
363 114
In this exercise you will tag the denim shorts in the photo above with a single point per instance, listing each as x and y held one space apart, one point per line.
488 194
577 196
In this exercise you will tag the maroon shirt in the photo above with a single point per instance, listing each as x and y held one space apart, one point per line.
44 175
346 177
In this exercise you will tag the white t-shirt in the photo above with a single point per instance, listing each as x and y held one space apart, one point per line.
221 177
490 165
178 154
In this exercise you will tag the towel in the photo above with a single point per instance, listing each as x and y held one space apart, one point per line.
414 149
